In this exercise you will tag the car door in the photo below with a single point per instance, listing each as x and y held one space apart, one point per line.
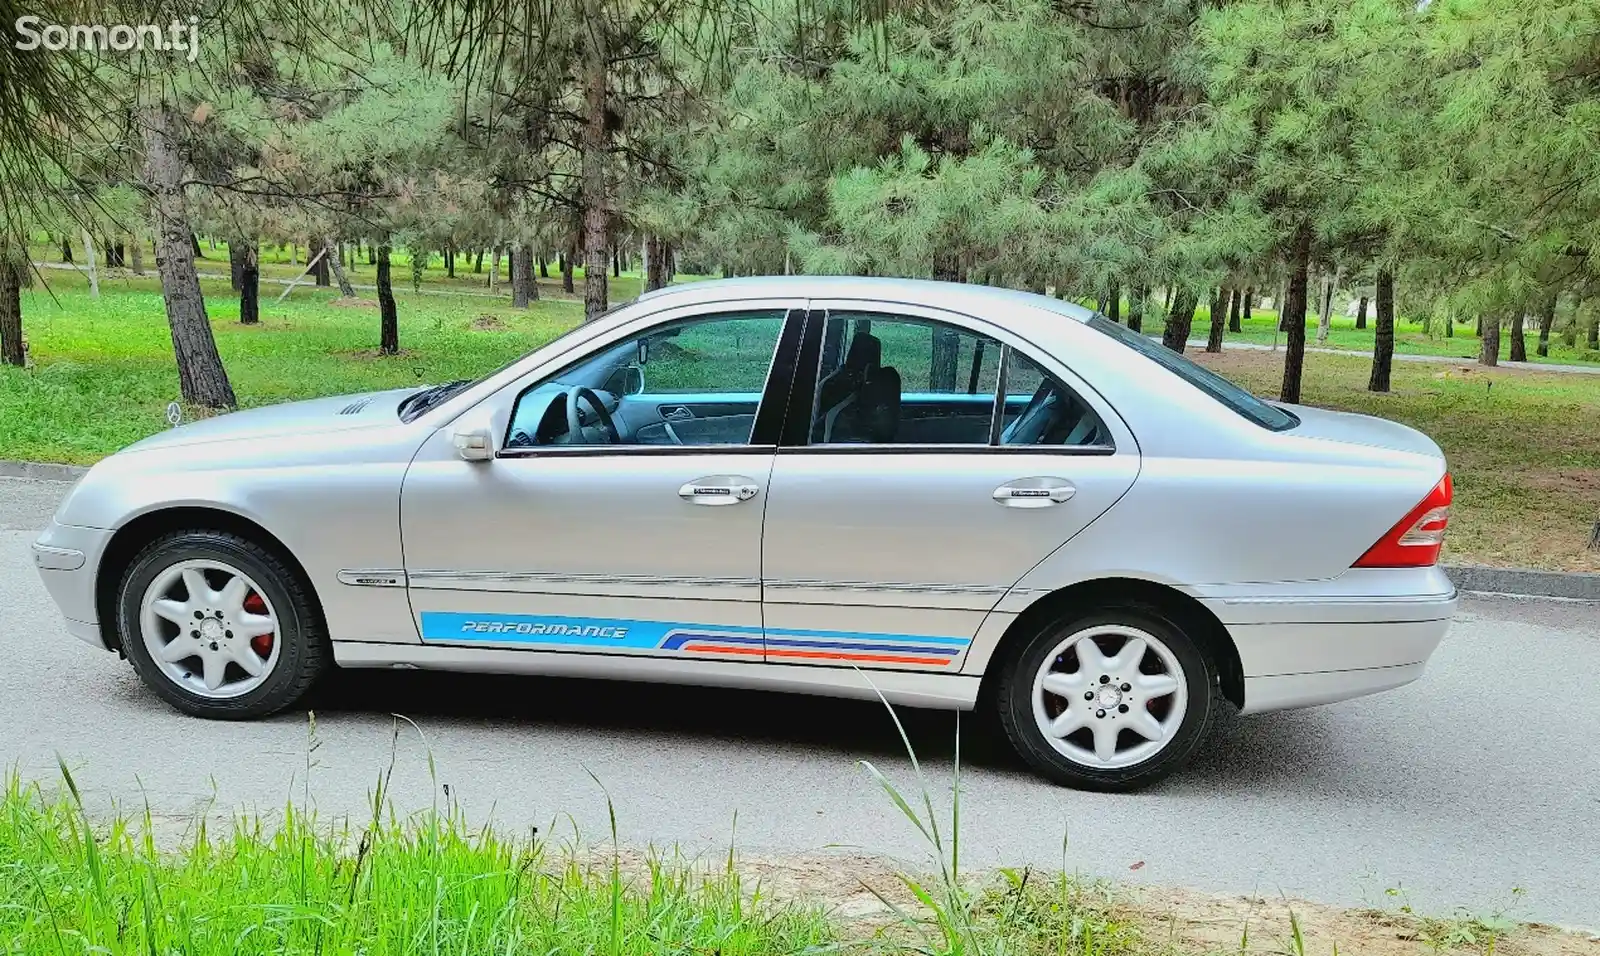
646 541
941 460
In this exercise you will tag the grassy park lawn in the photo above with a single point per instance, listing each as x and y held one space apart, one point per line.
1522 444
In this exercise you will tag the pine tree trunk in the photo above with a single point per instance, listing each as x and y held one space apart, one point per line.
1219 311
66 251
1325 319
319 272
494 269
566 272
11 312
199 253
1594 332
449 262
201 376
477 262
523 288
388 317
372 255
1489 340
616 264
1361 313
596 144
236 263
1547 321
656 256
544 267
1383 334
1235 302
94 274
1249 300
1180 318
942 364
137 248
1519 348
249 281
1293 315
345 288
1136 308
1115 300
114 254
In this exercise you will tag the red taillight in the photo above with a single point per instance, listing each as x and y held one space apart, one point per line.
1416 540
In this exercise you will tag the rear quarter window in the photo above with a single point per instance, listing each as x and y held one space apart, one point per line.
1223 391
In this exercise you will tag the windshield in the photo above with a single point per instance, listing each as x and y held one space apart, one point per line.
1219 388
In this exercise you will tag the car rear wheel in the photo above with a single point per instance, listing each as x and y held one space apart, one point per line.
1111 700
219 626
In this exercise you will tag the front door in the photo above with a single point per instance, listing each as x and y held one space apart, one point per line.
939 466
622 513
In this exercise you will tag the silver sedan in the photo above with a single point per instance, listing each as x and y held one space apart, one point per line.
947 495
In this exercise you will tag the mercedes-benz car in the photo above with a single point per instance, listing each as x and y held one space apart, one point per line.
951 496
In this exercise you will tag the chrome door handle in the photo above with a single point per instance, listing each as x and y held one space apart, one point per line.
1037 492
719 490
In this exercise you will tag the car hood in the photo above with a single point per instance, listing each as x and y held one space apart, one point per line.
315 416
1353 429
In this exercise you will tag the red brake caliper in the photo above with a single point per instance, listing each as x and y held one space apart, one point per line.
261 643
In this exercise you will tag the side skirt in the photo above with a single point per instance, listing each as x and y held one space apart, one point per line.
909 689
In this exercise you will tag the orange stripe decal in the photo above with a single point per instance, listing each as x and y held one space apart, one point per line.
815 655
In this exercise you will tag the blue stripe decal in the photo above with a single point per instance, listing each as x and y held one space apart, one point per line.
604 633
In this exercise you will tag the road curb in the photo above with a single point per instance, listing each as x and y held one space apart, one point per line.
1524 582
41 471
1466 577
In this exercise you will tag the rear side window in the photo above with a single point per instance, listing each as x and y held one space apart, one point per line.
1219 388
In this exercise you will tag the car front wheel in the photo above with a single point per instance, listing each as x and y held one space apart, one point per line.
219 626
1110 700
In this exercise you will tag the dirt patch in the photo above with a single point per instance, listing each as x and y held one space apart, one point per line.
1202 922
346 302
865 892
488 323
1585 481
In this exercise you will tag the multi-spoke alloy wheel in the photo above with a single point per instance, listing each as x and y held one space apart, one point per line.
1109 696
220 626
208 627
1110 701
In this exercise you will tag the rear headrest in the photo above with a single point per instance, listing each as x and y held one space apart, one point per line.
865 352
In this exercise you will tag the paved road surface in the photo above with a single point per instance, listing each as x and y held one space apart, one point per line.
1483 777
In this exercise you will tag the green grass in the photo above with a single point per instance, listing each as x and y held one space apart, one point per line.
429 885
103 369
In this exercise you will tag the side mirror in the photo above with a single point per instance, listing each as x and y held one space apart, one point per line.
474 443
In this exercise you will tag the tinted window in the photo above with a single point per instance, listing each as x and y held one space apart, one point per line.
1219 388
902 380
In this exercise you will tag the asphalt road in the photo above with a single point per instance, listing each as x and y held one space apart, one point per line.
1481 778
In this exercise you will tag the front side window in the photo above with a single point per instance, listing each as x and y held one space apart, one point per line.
691 382
888 379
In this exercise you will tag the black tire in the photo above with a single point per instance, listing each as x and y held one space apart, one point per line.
303 654
1014 701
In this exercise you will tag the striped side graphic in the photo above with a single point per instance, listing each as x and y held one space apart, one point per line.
797 646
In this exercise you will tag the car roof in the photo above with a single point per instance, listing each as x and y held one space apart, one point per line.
925 292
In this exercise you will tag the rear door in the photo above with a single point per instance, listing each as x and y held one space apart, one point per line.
929 461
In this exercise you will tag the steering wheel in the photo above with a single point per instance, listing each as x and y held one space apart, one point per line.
575 427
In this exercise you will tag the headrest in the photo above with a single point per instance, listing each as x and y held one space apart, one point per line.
866 351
